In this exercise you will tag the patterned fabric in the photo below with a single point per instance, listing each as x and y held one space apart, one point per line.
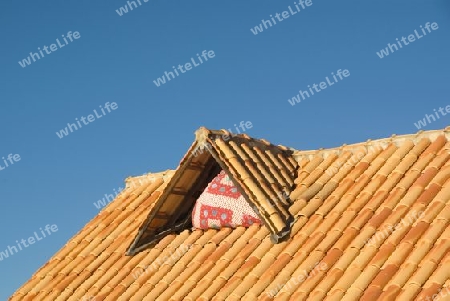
221 205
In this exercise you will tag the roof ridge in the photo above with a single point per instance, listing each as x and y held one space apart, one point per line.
203 133
148 177
370 143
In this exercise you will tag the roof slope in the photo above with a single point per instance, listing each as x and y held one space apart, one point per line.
371 223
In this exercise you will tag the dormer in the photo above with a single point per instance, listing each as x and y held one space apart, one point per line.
263 173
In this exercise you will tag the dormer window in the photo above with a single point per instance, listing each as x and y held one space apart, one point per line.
254 174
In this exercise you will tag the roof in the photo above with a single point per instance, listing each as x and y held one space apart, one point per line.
371 222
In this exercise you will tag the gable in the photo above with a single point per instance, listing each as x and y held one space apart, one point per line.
263 173
222 205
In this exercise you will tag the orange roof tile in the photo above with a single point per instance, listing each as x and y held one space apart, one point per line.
370 222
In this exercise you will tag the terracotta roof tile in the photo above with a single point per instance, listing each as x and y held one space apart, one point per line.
355 209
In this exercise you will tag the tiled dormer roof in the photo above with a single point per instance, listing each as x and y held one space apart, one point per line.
371 222
263 173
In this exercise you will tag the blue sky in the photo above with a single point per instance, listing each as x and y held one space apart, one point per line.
251 77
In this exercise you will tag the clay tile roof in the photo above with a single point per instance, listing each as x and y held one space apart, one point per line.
368 221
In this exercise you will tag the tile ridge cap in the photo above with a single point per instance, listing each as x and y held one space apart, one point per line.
397 139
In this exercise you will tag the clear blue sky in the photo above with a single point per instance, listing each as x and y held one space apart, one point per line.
250 78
